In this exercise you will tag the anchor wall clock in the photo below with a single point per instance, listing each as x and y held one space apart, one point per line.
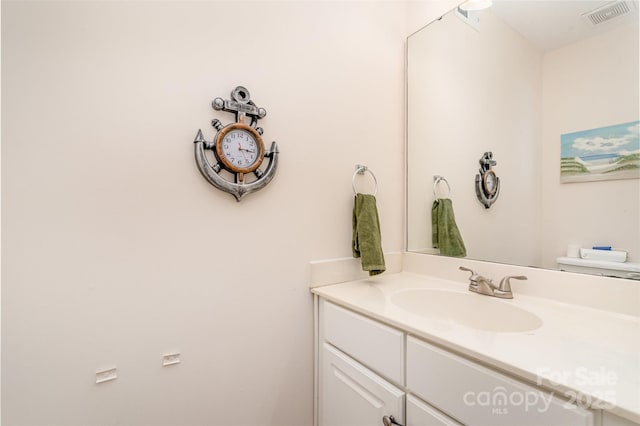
237 149
487 183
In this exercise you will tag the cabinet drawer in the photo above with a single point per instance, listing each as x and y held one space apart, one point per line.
473 394
376 345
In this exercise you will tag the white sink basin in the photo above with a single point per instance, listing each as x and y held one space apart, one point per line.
467 309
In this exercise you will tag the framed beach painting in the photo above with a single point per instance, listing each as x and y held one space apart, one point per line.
605 153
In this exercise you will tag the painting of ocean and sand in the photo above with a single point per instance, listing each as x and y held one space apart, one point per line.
605 153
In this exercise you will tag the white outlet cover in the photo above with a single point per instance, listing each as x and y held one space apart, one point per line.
106 375
171 359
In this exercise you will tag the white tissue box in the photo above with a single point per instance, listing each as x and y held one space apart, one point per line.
609 255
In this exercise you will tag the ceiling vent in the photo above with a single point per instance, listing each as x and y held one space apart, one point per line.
607 12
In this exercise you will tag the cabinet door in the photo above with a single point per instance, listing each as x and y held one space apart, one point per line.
421 414
353 395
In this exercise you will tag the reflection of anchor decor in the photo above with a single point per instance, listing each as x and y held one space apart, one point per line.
487 183
237 148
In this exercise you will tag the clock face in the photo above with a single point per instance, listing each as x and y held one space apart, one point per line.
490 182
240 148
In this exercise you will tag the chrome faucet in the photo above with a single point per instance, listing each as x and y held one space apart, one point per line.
483 285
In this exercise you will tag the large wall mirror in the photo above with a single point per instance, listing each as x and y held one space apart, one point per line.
511 80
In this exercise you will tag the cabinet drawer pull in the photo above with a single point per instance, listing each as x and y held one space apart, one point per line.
389 421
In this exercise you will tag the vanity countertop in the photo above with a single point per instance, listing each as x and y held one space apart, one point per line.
590 357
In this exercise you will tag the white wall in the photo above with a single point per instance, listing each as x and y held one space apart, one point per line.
450 128
602 94
115 249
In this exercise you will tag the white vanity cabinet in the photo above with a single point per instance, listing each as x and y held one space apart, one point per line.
368 370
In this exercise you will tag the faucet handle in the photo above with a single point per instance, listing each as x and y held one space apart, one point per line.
474 275
505 286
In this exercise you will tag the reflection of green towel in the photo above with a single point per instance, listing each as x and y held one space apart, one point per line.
366 234
444 231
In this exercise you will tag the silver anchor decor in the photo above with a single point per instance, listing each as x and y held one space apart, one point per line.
238 149
487 183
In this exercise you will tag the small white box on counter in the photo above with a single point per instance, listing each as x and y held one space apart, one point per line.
609 255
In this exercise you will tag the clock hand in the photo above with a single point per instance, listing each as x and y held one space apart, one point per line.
241 149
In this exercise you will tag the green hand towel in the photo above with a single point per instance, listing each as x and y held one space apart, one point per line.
366 241
444 231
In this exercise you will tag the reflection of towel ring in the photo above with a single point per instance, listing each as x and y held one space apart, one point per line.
436 180
360 169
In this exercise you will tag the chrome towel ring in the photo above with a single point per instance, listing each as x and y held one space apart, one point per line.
360 169
436 180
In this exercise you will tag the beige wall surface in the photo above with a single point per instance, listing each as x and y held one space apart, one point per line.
116 250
